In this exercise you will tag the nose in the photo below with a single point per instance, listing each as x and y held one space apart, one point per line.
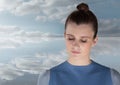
76 43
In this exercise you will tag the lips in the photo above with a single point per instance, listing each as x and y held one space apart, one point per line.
75 52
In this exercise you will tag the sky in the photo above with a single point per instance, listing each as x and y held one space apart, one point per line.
31 36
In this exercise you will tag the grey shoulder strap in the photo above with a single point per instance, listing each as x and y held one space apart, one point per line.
115 77
43 78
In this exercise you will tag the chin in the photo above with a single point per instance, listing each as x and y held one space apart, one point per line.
75 55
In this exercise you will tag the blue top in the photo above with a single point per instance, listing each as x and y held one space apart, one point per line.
92 74
68 74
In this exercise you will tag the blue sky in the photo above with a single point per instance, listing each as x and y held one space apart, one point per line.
31 31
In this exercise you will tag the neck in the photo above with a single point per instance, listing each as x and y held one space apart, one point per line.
78 61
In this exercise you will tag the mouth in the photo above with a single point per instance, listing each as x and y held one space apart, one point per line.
75 52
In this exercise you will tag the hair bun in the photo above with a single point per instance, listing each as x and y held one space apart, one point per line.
83 6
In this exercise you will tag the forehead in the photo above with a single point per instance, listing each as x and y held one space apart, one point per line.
79 30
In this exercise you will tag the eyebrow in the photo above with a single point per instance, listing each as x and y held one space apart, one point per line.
81 36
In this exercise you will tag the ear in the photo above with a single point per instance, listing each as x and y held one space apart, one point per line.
95 41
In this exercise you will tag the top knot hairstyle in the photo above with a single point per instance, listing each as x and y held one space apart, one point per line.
83 16
83 7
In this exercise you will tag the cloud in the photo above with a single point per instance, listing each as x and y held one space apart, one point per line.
107 46
30 64
46 10
39 63
42 7
109 27
9 5
55 14
8 29
7 40
30 7
41 18
13 36
9 72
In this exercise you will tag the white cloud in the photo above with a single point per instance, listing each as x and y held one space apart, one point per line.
13 36
30 7
9 72
9 4
55 13
34 65
9 43
45 9
41 18
9 29
108 46
109 27
39 62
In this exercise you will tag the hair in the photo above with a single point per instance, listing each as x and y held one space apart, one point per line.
83 16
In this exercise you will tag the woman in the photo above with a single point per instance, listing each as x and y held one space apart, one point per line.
80 35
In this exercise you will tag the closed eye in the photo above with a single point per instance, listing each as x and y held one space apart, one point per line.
71 39
83 41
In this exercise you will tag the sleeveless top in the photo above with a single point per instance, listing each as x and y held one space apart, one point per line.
68 74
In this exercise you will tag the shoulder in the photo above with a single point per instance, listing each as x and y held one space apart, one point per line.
44 75
59 67
101 67
115 77
43 78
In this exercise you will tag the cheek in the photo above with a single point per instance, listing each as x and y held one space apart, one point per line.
87 47
68 45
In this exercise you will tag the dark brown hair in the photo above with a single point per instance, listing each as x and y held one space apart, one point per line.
83 16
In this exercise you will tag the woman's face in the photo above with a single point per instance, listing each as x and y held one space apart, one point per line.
79 39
